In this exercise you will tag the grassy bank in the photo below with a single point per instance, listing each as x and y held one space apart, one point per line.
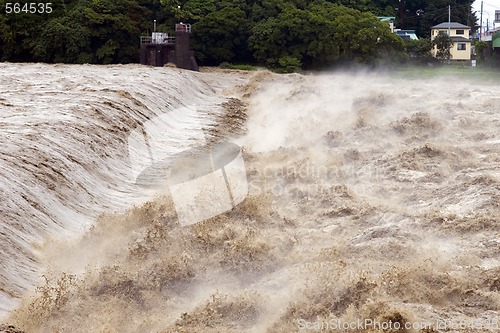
480 74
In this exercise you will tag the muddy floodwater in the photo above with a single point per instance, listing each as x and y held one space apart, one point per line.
354 202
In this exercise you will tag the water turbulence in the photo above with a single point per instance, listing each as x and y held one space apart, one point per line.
158 200
203 181
65 153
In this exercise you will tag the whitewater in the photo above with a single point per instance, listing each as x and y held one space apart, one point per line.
371 199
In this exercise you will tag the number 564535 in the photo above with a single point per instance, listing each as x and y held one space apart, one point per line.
28 8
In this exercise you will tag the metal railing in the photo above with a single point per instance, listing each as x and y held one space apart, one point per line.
183 27
150 40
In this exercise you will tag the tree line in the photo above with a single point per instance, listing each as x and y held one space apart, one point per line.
276 33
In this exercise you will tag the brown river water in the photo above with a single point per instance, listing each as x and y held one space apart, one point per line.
372 202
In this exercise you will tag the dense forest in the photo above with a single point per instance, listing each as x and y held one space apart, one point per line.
276 33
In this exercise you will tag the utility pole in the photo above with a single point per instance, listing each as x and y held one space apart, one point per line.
449 20
481 23
449 30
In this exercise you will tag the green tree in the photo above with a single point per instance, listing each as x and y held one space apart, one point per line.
323 34
18 32
114 36
380 7
280 33
481 47
5 38
421 15
197 9
221 36
63 40
77 31
260 10
443 44
419 49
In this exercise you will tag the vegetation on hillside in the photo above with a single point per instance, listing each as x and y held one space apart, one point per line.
285 34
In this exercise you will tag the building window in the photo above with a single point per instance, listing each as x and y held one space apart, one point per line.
460 32
462 46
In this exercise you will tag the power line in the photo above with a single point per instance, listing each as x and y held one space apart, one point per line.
437 10
415 18
494 7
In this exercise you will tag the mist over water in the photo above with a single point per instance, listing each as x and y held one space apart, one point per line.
370 197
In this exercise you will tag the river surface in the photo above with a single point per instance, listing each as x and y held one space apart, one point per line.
369 199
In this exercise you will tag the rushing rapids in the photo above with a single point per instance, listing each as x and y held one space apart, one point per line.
370 199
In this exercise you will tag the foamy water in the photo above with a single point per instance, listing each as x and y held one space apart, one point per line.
371 198
65 153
